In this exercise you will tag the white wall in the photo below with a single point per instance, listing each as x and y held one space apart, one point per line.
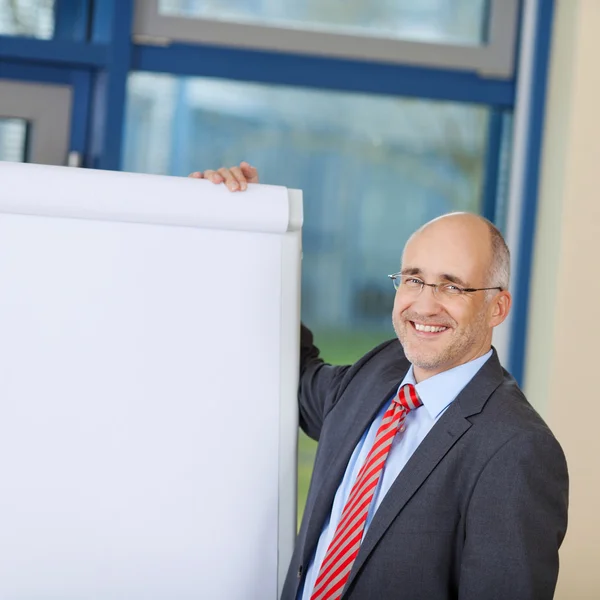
564 327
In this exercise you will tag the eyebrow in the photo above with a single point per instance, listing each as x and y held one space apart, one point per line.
444 276
454 279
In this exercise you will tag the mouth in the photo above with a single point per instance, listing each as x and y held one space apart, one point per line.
428 331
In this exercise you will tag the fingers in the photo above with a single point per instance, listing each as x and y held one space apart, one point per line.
235 178
241 178
250 173
209 174
229 179
213 176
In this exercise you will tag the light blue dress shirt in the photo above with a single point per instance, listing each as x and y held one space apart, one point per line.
436 393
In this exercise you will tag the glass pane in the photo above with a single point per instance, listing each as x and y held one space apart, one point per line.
372 168
503 187
446 21
32 18
13 140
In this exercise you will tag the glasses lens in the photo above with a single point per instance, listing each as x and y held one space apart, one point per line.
410 282
449 289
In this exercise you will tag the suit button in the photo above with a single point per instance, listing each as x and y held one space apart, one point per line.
300 570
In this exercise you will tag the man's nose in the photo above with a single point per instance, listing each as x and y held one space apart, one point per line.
427 302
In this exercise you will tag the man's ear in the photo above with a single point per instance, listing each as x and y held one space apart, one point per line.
500 308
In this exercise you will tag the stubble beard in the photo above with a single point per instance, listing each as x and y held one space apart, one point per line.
459 345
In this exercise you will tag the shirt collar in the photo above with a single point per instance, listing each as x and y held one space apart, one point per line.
439 391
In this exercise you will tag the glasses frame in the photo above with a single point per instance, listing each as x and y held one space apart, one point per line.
435 286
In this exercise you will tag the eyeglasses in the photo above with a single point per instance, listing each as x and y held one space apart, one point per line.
414 285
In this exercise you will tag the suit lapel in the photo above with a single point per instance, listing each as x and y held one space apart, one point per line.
445 433
353 422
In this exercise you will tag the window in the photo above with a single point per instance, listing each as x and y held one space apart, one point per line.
474 35
448 21
13 140
31 18
372 168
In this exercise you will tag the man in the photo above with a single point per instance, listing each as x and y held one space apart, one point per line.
434 478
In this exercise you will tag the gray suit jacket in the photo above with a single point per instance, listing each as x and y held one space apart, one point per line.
480 509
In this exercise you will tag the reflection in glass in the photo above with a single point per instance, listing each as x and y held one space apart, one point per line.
446 21
13 140
32 18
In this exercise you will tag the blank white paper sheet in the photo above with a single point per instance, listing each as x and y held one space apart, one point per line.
148 376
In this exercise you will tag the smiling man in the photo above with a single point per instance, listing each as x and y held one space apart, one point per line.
434 478
453 324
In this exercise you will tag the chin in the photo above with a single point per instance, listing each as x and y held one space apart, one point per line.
424 360
426 363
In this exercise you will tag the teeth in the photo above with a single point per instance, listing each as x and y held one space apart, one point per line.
429 328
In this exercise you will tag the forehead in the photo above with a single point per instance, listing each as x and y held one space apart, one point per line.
456 251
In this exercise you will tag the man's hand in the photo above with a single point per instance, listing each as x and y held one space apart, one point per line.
235 178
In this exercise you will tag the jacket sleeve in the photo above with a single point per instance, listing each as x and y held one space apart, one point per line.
319 385
516 521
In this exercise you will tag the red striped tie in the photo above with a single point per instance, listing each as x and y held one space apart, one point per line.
345 544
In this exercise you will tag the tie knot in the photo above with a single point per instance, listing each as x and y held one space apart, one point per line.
408 397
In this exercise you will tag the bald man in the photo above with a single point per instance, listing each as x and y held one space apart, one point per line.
434 478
